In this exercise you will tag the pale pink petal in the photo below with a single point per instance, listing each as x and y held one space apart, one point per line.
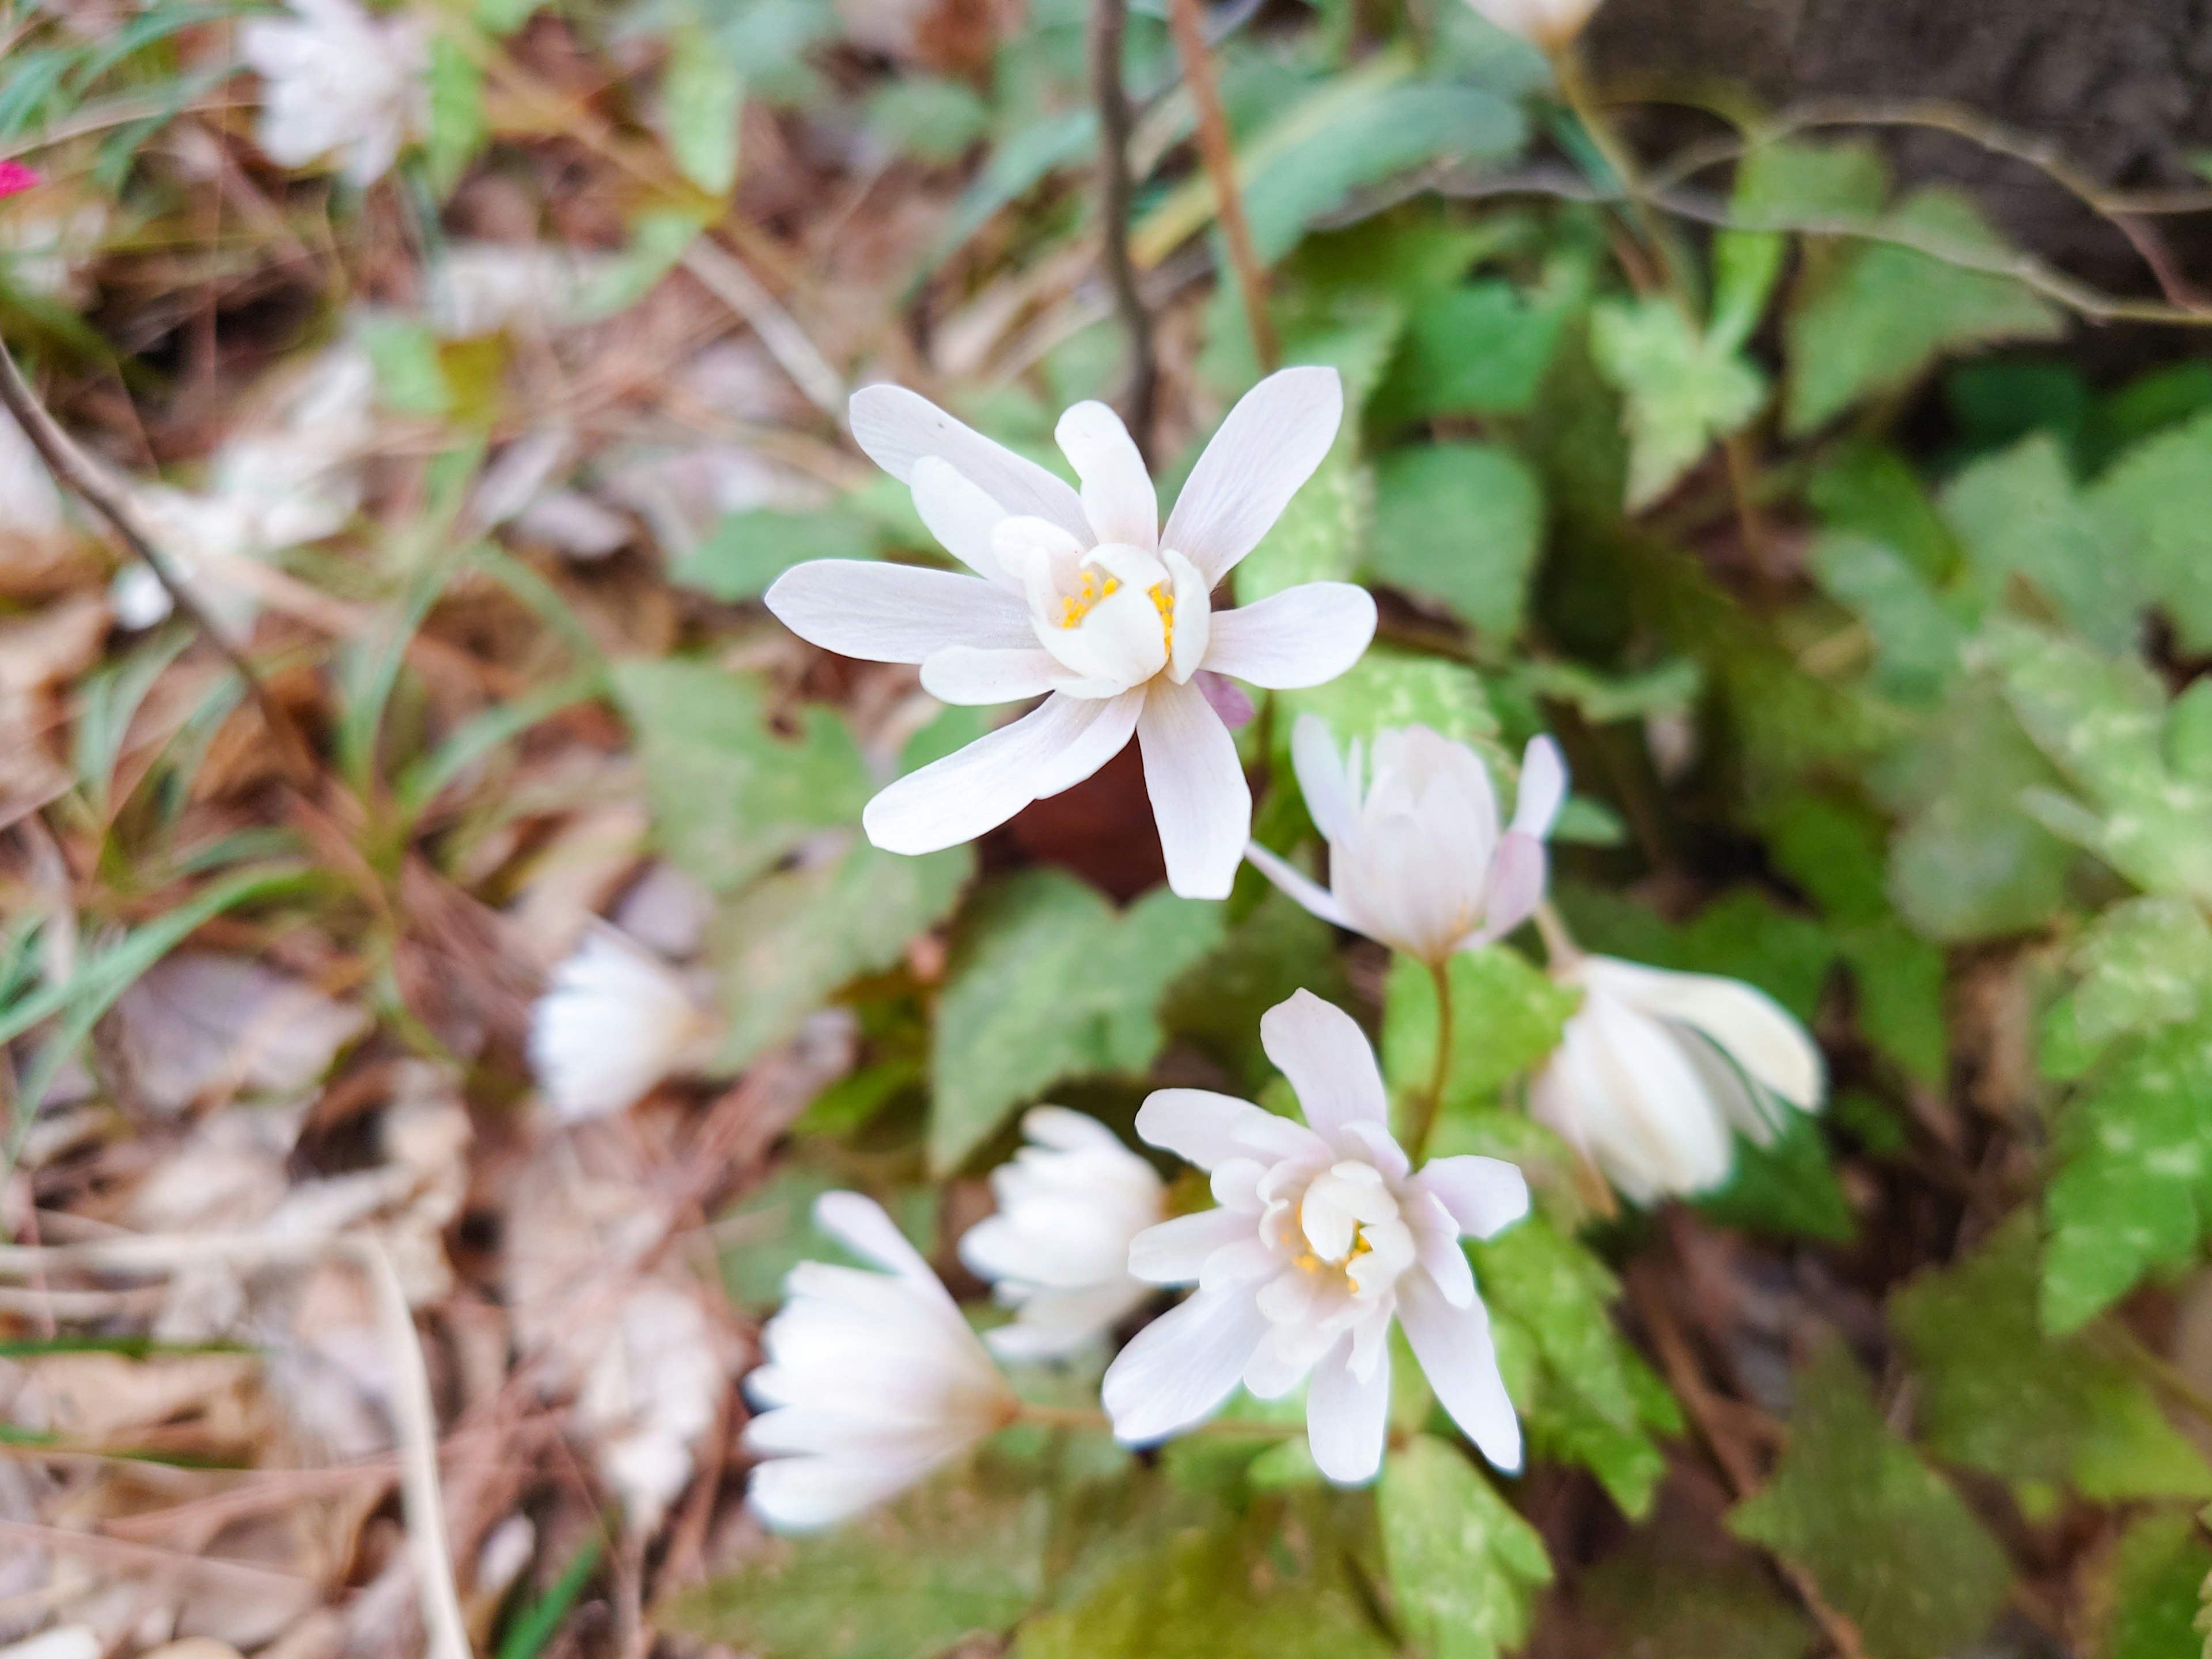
1460 1359
1378 1147
1226 698
1518 872
1484 1195
1543 787
1347 1416
1174 1252
882 612
962 674
897 428
1183 1364
1300 886
1199 1126
1437 1250
961 516
1301 636
1199 799
1268 447
1328 1061
1117 490
859 1225
978 788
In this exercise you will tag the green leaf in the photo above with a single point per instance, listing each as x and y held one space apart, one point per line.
1047 983
1481 349
1663 1597
1786 1188
1386 689
2151 1591
2144 963
2134 1189
2158 495
1792 179
772 1230
1885 313
1464 1568
1320 536
1461 524
700 92
1256 1590
2018 514
1918 637
1276 950
1893 1548
1506 1016
1968 862
791 938
746 551
658 242
1560 1293
2102 719
928 118
907 1583
404 354
1867 488
457 114
1682 391
730 796
2000 1396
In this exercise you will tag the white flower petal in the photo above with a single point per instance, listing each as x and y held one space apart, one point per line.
881 612
1622 1087
1332 795
1268 447
896 428
801 1494
1183 1364
859 1223
1175 1251
1460 1360
1437 1250
961 515
1302 636
1484 1195
1746 1023
1328 1061
1117 490
1543 787
1518 874
614 1021
963 674
1310 893
978 788
1200 1126
1348 1417
1199 799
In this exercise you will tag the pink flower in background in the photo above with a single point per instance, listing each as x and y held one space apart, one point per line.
1088 601
16 177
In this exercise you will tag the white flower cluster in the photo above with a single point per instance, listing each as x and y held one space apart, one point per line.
1326 1230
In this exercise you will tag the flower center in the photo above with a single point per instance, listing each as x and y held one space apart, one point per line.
1097 586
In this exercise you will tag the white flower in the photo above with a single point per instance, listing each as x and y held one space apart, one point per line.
1324 1233
337 79
1550 24
1657 1066
871 1380
1058 1250
1086 600
615 1021
1415 858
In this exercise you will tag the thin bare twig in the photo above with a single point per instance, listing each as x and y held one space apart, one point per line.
1108 23
722 275
1218 153
70 464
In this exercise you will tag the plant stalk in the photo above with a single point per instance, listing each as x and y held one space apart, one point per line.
1109 23
1218 152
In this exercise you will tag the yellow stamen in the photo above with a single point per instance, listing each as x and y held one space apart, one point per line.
1164 602
1074 609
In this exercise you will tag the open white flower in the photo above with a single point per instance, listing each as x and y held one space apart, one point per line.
1656 1069
337 80
1086 600
1058 1250
1415 858
615 1021
1550 24
871 1380
1323 1235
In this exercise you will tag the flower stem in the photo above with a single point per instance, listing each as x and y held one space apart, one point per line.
1560 946
1433 1099
1079 1417
1217 152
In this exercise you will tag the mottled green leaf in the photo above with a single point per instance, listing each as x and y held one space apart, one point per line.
1464 1568
1917 635
1477 350
1867 489
2152 1588
701 91
2158 495
747 551
1319 539
1681 390
1386 689
2001 1396
1048 982
906 1582
2019 514
1506 1016
1461 524
1893 1547
1885 313
2144 962
1277 950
